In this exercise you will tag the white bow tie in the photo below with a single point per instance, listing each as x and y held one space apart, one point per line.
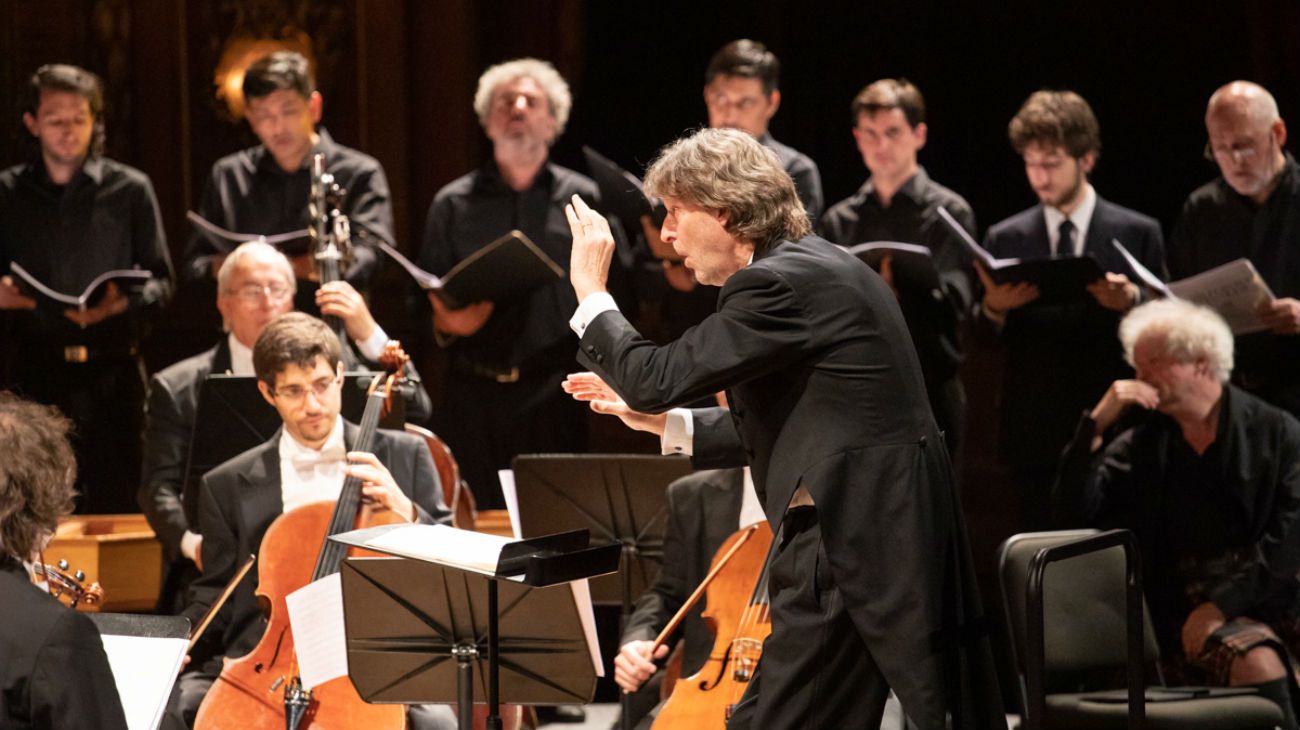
306 461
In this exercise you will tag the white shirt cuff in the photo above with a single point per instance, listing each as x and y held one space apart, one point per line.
589 309
679 433
190 544
373 346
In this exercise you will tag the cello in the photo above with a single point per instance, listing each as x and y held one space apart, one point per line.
738 612
262 689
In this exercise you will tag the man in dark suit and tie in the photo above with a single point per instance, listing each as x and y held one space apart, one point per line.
871 584
1060 355
298 362
53 670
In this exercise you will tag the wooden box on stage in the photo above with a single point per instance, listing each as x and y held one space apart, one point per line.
117 551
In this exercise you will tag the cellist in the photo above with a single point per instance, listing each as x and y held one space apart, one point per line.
297 360
704 509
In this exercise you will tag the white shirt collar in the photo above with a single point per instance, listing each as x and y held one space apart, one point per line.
290 447
241 358
1081 217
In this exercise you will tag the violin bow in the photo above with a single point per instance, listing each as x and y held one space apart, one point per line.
211 613
699 590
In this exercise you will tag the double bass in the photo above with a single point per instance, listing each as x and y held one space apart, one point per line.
738 612
262 689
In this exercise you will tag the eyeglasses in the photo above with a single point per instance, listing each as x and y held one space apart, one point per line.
296 393
1238 152
722 102
253 292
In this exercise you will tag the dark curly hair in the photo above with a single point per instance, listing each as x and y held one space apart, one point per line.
36 474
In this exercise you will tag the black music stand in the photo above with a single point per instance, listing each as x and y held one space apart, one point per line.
419 630
232 417
619 497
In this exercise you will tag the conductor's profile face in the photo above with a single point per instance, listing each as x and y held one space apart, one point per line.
700 236
308 400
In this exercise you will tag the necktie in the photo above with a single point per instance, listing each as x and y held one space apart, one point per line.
1065 241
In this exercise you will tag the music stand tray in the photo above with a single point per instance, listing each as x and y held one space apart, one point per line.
419 630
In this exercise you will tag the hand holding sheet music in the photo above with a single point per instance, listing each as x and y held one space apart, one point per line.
1234 290
102 298
1056 279
904 266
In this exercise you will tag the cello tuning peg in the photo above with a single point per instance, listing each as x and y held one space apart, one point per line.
62 564
80 575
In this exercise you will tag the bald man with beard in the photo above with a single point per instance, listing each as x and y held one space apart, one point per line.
1251 210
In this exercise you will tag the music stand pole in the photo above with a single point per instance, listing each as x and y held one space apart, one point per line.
494 666
625 577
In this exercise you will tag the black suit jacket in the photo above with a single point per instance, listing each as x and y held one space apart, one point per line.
1062 357
825 391
703 511
241 498
169 425
53 670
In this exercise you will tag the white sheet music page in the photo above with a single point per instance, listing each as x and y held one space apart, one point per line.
443 544
144 669
316 615
508 490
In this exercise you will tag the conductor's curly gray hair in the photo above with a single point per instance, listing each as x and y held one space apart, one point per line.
1190 332
729 171
556 88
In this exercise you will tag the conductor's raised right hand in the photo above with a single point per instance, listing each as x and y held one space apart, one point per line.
590 388
634 664
460 322
593 249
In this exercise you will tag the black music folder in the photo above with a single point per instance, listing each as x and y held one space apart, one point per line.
1058 279
912 264
46 297
501 271
622 193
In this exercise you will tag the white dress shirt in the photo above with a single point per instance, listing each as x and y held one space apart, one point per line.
312 475
1081 217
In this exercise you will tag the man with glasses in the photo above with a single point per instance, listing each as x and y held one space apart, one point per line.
298 361
255 285
741 91
1251 210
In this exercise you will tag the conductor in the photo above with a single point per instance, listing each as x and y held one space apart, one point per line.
871 585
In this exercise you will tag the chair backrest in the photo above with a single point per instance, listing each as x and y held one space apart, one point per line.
1083 604
455 493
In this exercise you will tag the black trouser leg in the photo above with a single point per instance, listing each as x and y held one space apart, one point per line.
815 672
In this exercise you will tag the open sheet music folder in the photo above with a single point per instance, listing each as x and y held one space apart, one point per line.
290 243
47 297
503 270
1235 290
911 264
1058 279
621 192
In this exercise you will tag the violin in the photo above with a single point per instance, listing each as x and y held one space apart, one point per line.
68 588
738 612
262 689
